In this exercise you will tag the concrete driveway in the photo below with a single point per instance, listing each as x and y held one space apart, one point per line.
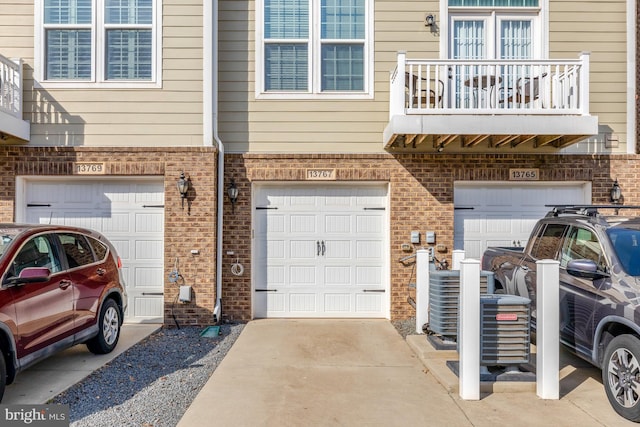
361 372
55 374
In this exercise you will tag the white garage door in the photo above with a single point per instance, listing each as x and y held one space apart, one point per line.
488 214
130 214
321 251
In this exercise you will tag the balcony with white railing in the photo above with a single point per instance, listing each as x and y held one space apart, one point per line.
11 122
481 104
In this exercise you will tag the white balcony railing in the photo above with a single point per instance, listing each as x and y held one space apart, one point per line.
491 87
11 87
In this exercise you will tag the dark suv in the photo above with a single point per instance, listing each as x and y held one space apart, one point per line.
599 260
60 286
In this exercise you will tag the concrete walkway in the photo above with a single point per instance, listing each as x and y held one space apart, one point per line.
361 372
46 379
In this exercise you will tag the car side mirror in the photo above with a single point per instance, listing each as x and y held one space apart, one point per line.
585 269
30 275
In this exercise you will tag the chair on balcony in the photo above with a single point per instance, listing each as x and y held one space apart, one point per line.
527 90
415 99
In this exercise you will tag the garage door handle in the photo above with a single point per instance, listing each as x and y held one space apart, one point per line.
318 246
323 248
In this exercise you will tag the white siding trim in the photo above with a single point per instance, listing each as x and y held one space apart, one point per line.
631 76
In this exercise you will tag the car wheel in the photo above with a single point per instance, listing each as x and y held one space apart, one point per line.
621 376
109 325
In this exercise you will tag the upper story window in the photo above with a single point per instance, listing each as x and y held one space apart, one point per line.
314 47
98 42
494 29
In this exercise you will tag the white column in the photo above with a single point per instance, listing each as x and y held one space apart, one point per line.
397 95
547 329
469 334
456 257
422 288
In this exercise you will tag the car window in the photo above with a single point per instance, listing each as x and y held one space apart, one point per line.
99 248
582 243
626 243
76 249
37 252
548 242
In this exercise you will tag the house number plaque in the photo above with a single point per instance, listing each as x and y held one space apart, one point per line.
321 174
89 169
524 174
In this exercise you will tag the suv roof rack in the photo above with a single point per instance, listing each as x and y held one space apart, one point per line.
586 210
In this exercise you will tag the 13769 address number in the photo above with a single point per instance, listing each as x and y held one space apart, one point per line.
89 168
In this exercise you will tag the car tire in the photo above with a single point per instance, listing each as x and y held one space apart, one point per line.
109 323
621 376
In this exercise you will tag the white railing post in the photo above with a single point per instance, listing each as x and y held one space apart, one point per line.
456 257
396 94
547 329
422 288
584 83
469 334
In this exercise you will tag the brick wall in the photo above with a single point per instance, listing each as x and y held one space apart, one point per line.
421 198
191 227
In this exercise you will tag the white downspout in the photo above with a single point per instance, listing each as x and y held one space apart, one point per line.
210 131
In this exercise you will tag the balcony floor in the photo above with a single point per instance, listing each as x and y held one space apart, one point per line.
428 133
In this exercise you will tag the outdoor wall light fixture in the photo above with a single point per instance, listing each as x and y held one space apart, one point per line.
616 193
183 187
232 192
430 20
441 147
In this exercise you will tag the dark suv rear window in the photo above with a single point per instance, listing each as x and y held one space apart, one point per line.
548 242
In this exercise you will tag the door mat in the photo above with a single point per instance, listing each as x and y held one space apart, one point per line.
210 332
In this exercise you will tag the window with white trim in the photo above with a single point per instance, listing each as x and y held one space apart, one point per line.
98 41
314 47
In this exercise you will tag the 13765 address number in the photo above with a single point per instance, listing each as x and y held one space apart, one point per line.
524 174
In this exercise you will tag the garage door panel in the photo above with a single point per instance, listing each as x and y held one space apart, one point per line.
338 250
145 307
337 303
118 222
368 303
302 302
149 222
276 275
368 224
368 275
147 277
302 249
337 275
337 224
369 249
302 275
303 224
148 250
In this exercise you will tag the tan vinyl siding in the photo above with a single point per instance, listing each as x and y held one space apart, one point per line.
311 125
170 115
598 27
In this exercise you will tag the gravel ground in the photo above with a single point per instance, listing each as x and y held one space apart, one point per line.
153 383
405 327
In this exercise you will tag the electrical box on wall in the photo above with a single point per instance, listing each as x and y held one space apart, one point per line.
415 237
430 236
185 294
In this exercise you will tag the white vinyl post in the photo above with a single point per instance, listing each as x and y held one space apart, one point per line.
547 329
456 257
422 288
469 334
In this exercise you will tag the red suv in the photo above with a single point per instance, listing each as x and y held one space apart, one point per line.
60 286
